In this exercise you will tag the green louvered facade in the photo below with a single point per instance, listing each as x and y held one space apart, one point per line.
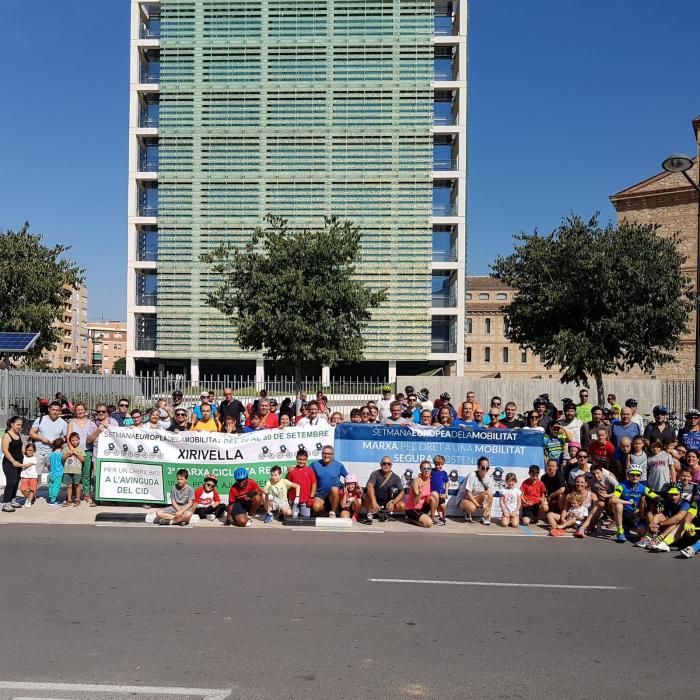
303 109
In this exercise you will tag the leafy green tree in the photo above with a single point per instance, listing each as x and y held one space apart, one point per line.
119 366
32 279
294 294
594 301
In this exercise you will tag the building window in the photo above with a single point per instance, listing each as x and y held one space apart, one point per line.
487 325
468 351
506 326
117 336
523 357
469 325
501 296
505 356
483 296
487 354
469 296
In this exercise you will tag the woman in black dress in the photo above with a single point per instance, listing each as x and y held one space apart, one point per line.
11 463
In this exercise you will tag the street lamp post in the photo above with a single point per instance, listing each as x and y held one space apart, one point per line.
679 163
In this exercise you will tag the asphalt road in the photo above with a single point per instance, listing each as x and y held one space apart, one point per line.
293 614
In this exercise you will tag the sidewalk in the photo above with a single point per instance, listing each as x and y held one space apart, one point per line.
42 513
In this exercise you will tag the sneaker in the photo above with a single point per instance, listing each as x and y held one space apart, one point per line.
486 520
15 504
331 514
194 519
646 540
443 521
688 553
370 518
150 518
268 518
556 532
620 538
7 508
163 521
659 547
468 518
579 533
354 518
211 517
27 504
249 523
633 536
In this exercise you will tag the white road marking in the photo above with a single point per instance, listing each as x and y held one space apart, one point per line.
345 532
500 584
204 693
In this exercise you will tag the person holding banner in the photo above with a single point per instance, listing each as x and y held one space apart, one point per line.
384 491
476 492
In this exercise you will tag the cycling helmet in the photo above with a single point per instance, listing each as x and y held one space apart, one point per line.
241 474
692 413
634 470
422 397
387 388
539 401
393 492
454 475
351 479
445 396
659 409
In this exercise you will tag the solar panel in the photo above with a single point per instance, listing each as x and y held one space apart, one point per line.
17 342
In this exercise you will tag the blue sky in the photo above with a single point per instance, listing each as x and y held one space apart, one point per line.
570 101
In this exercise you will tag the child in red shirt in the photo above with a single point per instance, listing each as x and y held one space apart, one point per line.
534 496
305 476
601 450
244 500
207 502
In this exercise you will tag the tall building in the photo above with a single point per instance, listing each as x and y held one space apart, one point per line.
488 353
107 342
669 200
304 109
71 351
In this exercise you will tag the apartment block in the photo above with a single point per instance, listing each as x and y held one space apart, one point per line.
71 351
242 108
107 343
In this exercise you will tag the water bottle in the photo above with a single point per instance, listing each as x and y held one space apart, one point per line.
295 510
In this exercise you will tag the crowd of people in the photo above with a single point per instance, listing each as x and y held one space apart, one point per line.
606 466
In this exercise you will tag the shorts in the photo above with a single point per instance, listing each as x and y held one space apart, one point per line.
74 479
279 504
168 509
217 510
413 515
531 512
28 484
239 508
326 501
630 519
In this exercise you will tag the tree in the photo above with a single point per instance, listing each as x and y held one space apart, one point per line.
119 366
294 295
594 301
32 279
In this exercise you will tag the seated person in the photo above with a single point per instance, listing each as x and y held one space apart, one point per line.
421 502
666 518
477 492
534 497
554 482
384 491
244 500
207 502
627 504
276 493
603 485
577 511
329 472
350 498
181 508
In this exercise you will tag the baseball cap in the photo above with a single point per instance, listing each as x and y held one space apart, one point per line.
211 477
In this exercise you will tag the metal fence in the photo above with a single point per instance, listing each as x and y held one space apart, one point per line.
21 389
678 395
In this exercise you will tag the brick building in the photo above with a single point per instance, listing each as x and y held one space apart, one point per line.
107 344
487 352
71 351
669 200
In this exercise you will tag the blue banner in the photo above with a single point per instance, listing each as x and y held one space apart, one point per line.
361 447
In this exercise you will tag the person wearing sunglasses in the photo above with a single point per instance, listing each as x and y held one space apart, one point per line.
477 492
421 503
179 422
122 411
384 491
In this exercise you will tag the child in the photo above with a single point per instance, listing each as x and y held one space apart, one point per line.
29 477
660 467
510 502
579 504
55 470
73 458
638 456
438 486
207 502
275 493
351 498
534 496
181 508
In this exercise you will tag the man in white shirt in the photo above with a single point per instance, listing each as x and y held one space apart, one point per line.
571 422
44 431
313 416
395 417
636 418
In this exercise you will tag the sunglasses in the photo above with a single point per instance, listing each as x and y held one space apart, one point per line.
210 483
483 469
101 411
123 405
180 413
386 464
